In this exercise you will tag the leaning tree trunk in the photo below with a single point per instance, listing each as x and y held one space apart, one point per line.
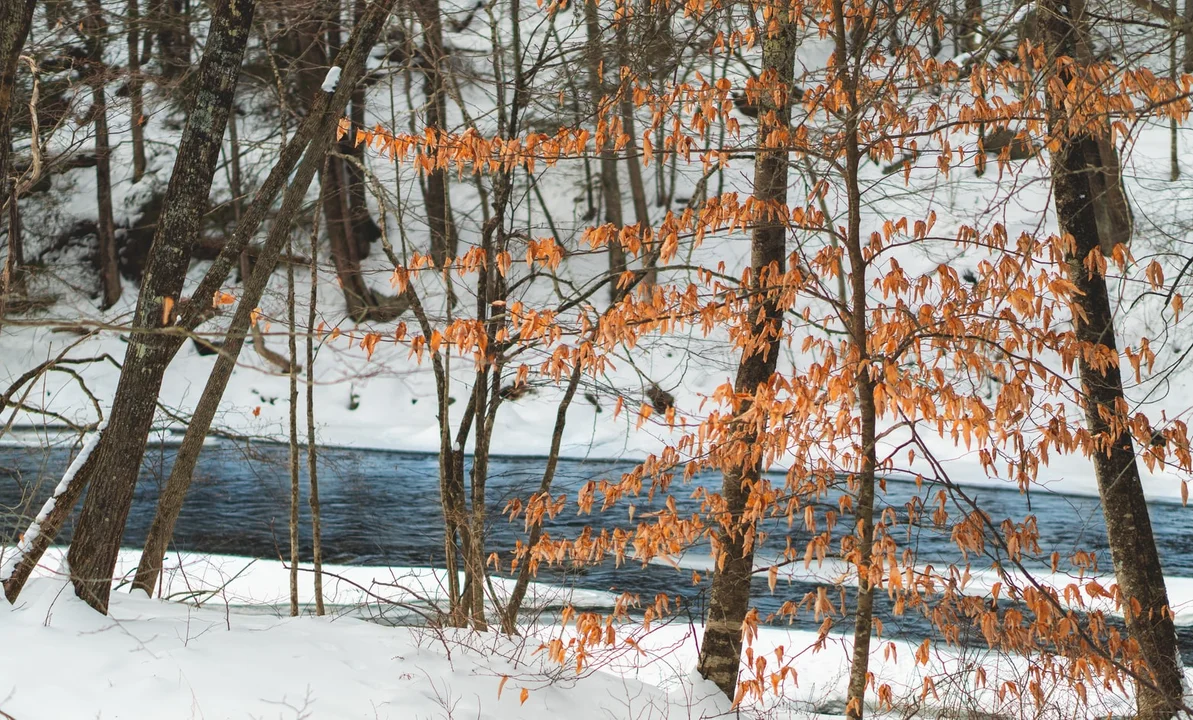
109 268
320 121
317 129
509 616
720 652
1075 167
97 537
15 21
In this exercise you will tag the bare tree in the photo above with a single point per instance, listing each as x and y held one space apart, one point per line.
15 20
96 26
97 537
317 130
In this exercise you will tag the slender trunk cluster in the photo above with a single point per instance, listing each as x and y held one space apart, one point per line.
118 458
315 136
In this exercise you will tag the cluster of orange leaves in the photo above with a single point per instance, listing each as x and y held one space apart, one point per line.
932 340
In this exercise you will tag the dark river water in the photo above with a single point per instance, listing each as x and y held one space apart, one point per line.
382 508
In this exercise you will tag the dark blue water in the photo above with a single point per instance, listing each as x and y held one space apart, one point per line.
382 508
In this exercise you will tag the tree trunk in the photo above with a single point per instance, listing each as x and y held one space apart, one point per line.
444 239
96 26
1187 61
720 651
971 24
292 345
610 188
97 537
136 103
312 457
338 211
350 229
15 21
1174 170
364 229
509 618
1075 169
634 164
863 624
317 129
1112 210
173 36
13 290
1128 528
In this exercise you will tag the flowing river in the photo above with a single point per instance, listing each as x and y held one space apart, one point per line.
382 508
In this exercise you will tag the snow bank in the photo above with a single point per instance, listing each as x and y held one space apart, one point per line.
166 660
170 661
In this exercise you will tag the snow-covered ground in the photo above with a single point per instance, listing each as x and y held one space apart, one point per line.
156 660
235 656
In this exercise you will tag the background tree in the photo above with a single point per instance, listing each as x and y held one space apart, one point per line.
15 20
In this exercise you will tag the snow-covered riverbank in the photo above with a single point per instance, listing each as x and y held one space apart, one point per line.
236 656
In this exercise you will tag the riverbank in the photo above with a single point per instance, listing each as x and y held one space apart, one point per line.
233 657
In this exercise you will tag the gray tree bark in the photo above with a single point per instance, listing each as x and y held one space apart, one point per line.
720 651
97 537
1076 170
317 129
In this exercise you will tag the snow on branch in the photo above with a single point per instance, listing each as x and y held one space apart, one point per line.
332 79
34 529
